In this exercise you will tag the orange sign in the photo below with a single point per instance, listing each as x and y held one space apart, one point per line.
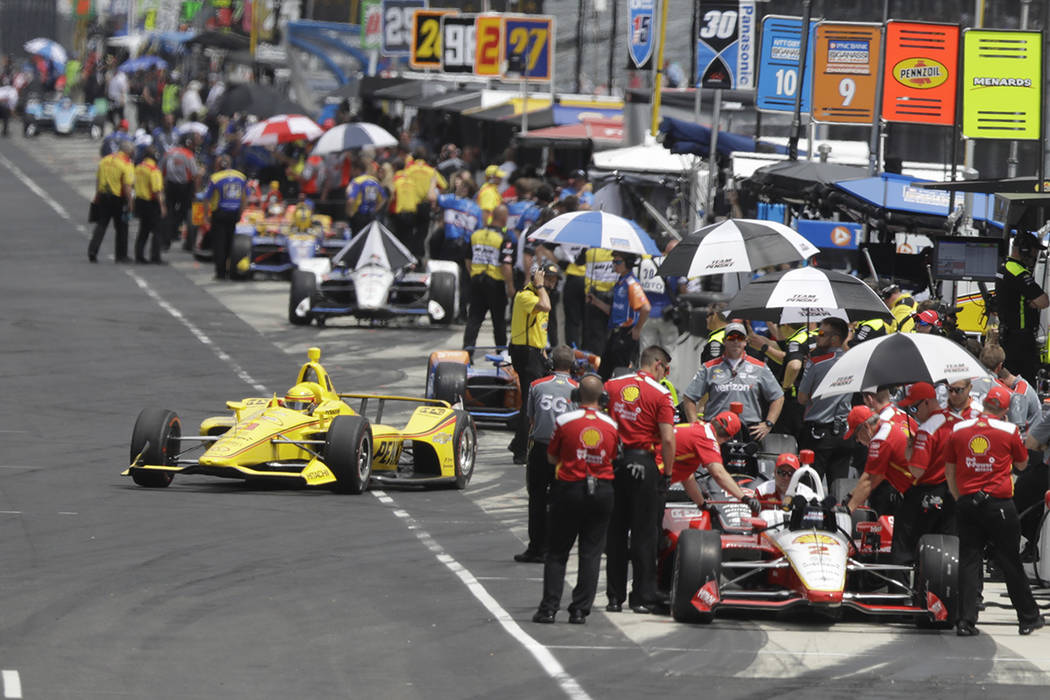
845 75
426 38
921 72
489 45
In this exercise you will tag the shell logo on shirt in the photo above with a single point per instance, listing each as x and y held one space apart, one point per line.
630 394
591 437
978 445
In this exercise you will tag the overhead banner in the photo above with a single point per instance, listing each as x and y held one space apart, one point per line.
426 39
371 24
458 43
641 20
725 45
778 78
845 72
1002 79
529 46
921 71
397 26
488 42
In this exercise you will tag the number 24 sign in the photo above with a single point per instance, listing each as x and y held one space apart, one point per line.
531 38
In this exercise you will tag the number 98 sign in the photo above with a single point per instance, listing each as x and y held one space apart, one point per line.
846 72
530 39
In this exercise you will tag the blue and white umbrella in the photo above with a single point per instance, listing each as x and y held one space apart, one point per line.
597 229
47 48
142 63
345 137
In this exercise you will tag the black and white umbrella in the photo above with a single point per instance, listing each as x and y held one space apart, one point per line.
736 245
810 292
899 358
375 245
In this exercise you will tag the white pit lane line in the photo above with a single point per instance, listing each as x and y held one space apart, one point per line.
542 654
12 684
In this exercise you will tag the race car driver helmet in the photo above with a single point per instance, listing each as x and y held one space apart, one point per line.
303 397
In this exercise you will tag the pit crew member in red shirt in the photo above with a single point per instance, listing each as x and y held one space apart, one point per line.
887 461
981 452
698 445
642 409
584 444
928 506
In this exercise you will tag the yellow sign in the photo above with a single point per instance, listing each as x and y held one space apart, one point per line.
1002 75
426 38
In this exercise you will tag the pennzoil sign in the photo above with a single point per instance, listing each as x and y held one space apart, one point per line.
920 73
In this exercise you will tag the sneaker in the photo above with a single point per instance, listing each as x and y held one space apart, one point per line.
967 629
1026 628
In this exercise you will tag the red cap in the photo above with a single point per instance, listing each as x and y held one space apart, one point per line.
997 398
930 318
728 421
919 391
787 459
857 415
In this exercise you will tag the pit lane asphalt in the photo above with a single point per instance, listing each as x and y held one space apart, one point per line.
213 589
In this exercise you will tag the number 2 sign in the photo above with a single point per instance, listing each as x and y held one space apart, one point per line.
845 75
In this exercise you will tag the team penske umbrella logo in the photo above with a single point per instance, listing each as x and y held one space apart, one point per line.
590 437
978 445
814 538
630 394
920 73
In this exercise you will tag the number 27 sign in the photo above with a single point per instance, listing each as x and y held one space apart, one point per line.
845 73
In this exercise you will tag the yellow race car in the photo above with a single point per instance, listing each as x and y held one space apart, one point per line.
311 437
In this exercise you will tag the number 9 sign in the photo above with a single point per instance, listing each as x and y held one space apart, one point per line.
531 39
845 75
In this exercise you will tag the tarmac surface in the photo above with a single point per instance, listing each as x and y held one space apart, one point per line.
214 589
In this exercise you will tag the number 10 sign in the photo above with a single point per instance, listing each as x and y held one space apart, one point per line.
778 79
845 75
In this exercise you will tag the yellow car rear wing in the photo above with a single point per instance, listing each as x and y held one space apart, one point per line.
382 399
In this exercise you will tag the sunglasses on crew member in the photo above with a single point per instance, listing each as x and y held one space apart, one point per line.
958 389
784 472
619 261
735 336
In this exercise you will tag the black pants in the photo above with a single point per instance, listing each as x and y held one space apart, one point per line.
487 296
148 213
179 198
223 226
552 317
885 499
1029 491
405 229
621 350
572 306
832 454
575 513
539 476
633 531
993 522
790 420
1022 353
5 117
528 365
360 221
595 329
927 509
110 208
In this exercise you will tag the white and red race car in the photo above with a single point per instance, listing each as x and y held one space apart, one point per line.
807 554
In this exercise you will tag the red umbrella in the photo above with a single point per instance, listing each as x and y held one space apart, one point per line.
281 129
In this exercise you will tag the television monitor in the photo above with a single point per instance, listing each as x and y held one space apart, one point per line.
966 258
